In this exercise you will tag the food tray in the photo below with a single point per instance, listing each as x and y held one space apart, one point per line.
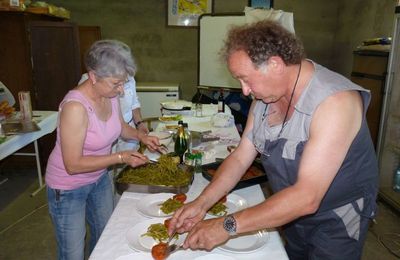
241 184
140 188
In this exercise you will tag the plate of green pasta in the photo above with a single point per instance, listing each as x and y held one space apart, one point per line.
158 205
148 233
232 204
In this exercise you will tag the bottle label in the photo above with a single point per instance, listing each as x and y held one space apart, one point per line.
221 107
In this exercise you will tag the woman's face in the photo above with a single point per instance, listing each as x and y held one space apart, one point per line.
259 82
112 86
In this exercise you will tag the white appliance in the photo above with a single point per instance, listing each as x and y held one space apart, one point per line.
151 94
389 130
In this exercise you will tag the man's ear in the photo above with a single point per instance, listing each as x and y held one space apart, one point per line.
276 64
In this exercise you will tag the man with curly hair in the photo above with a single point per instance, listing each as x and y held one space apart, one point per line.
308 124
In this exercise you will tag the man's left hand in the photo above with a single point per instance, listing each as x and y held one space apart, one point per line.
206 234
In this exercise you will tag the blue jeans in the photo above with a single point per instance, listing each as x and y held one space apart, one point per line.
69 211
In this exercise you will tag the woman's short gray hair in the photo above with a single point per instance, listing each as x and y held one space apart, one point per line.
110 58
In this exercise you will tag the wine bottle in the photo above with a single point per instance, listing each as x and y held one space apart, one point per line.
180 143
221 101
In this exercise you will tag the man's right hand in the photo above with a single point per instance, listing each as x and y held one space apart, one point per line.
187 216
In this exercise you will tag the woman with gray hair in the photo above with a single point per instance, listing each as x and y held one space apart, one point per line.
90 120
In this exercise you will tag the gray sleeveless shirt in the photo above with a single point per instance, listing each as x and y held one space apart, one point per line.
281 155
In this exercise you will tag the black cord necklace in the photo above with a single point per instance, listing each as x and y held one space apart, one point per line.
287 110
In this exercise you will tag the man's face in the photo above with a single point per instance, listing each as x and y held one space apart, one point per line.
258 82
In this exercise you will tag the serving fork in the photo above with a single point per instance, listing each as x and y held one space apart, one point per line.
173 247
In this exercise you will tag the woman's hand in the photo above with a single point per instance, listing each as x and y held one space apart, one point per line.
152 142
132 158
187 216
143 128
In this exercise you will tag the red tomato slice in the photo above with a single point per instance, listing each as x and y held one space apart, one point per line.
180 197
159 251
167 222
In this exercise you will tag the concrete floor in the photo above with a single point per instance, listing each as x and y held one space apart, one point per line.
26 231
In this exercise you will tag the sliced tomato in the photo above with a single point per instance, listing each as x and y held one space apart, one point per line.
180 197
167 222
159 251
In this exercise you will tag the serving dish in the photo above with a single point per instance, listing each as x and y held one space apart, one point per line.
257 175
176 105
142 188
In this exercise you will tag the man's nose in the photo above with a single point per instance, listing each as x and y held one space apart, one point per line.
246 90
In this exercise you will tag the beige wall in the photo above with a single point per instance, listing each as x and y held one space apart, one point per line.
330 31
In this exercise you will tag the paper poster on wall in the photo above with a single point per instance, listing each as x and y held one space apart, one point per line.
187 12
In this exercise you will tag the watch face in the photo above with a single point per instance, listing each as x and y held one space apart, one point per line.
230 225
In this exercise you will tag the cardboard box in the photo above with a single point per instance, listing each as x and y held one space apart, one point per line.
50 10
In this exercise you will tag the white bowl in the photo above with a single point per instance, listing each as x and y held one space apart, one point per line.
163 137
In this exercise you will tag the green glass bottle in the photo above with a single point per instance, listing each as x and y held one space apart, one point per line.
181 144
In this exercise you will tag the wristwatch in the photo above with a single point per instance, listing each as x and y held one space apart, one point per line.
138 123
230 225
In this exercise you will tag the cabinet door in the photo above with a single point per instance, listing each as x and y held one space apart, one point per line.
55 62
375 107
55 69
87 36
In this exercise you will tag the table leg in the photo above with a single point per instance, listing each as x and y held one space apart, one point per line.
39 170
38 167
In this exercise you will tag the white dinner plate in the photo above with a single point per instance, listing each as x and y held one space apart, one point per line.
233 203
149 206
170 119
144 243
136 256
176 104
246 243
214 257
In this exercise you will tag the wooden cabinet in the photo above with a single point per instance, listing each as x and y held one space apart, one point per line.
87 36
39 54
369 71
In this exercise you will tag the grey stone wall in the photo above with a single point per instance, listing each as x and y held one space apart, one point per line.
330 31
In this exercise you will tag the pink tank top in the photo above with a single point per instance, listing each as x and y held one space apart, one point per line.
99 138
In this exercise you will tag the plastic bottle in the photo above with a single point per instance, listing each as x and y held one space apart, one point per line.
2 135
188 137
221 101
396 180
198 162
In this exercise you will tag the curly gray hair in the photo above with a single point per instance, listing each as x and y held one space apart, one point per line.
262 40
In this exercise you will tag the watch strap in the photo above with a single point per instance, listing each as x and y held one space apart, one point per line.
138 123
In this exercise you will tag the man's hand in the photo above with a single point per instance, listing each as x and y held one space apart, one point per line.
187 216
206 234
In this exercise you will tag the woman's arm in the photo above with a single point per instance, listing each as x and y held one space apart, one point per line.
73 128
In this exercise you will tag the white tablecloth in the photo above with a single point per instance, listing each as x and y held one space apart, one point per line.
46 120
113 244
